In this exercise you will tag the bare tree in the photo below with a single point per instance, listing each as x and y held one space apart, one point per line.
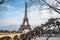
54 8
50 6
57 1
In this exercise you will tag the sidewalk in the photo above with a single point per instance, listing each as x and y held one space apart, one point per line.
50 38
44 38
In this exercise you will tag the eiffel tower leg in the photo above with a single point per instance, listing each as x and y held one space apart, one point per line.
20 29
27 23
23 22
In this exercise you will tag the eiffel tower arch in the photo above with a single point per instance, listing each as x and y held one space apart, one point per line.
25 20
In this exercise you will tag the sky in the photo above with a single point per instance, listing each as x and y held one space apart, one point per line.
12 14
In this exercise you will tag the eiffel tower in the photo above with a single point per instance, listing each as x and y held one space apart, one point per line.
25 20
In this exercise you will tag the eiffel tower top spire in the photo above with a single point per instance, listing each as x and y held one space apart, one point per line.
25 10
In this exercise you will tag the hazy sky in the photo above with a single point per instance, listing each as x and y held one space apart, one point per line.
12 14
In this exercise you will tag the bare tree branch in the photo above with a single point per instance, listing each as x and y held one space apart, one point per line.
1 1
57 1
54 8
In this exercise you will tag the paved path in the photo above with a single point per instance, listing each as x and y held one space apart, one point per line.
44 38
50 38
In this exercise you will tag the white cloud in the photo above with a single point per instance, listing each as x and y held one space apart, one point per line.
36 18
14 16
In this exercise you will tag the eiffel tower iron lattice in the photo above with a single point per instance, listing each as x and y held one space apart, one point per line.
25 20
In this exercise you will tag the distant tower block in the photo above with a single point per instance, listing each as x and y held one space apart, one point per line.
25 24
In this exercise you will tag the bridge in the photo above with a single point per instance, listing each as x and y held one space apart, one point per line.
9 35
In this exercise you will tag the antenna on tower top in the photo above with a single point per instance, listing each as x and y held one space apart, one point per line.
25 9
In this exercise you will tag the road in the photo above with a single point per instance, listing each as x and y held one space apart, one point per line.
44 38
50 38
